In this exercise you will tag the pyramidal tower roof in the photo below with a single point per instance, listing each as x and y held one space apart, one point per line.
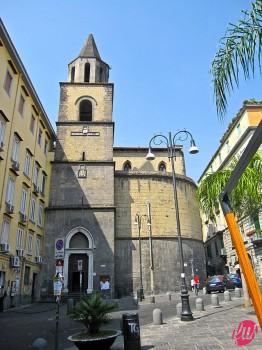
89 49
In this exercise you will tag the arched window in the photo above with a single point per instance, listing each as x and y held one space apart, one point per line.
87 73
162 167
85 111
73 74
100 74
127 166
79 240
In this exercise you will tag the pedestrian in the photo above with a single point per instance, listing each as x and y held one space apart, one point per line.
105 288
196 284
192 284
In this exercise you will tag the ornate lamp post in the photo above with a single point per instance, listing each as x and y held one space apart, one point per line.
186 314
138 222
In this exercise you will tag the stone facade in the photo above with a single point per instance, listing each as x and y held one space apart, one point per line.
97 190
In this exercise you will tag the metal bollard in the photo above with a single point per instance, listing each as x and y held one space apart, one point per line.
227 296
131 331
204 291
214 300
179 309
152 299
70 305
199 304
168 296
157 317
40 343
237 292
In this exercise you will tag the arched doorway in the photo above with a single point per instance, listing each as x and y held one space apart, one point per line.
77 273
78 269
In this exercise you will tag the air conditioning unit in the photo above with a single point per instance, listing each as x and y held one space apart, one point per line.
4 247
36 188
39 259
15 261
20 252
9 208
15 165
223 251
1 146
23 217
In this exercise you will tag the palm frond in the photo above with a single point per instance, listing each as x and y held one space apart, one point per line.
246 198
240 47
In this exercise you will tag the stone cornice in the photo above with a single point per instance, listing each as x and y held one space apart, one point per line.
157 175
80 207
158 237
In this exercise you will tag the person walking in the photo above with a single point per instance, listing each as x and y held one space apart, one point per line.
192 284
196 284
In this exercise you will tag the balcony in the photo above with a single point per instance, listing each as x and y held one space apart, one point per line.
15 165
256 238
9 208
36 189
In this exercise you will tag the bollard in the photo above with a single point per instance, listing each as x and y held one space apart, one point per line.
214 300
227 296
179 309
199 304
70 305
157 317
204 290
152 299
168 296
237 292
131 331
40 343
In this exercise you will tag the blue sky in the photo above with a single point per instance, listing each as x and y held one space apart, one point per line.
160 53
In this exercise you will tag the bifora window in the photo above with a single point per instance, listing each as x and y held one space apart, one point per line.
162 167
85 111
127 166
73 74
87 73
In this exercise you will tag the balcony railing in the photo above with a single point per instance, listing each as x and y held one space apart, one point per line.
257 238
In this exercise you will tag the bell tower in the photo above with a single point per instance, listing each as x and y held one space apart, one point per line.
81 208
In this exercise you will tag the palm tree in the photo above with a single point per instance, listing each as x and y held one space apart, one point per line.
240 48
245 199
93 311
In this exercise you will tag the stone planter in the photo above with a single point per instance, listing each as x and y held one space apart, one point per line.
102 342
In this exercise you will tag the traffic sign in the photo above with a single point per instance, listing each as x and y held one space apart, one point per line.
59 248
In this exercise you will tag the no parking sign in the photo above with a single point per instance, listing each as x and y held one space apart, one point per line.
59 248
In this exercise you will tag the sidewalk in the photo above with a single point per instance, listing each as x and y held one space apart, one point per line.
211 330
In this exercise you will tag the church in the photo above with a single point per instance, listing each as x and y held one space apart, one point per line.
111 214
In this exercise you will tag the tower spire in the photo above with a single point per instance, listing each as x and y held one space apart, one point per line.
89 49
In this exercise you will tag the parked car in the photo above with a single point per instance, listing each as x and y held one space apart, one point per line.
219 283
235 279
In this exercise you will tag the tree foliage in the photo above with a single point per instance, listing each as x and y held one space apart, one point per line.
92 311
240 48
246 198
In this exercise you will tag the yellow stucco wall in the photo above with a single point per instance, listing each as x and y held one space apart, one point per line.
132 191
20 124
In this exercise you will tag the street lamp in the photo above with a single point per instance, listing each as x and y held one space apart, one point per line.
138 221
186 314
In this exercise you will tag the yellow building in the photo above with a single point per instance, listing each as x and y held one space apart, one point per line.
26 139
221 255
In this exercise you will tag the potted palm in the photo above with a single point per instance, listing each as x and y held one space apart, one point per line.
93 311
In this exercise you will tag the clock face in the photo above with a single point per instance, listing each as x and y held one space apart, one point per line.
59 244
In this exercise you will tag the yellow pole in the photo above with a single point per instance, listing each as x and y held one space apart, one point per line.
253 287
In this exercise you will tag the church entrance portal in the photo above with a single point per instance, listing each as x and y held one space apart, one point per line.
78 273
